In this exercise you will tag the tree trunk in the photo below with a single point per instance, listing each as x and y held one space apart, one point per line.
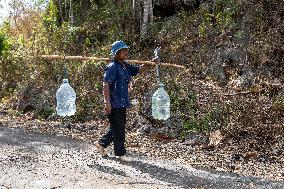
71 16
136 12
60 11
147 17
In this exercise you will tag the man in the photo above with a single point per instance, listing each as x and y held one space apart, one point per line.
116 99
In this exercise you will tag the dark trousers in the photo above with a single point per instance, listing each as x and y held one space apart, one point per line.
116 131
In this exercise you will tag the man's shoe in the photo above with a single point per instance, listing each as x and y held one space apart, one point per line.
125 158
101 149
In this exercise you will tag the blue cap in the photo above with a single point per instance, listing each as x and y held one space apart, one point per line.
116 46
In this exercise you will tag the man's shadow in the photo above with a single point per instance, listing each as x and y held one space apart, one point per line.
180 177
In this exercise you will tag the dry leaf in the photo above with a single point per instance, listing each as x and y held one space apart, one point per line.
215 138
276 84
251 155
207 147
265 59
161 137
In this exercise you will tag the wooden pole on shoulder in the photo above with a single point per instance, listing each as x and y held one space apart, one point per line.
85 58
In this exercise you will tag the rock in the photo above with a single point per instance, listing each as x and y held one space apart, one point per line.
276 152
145 129
26 98
230 63
33 98
193 139
207 147
237 157
263 158
143 125
52 117
191 142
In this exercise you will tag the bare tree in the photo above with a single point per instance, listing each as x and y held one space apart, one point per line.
17 9
147 17
60 10
136 15
71 16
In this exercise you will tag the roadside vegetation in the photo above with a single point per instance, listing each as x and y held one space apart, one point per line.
232 50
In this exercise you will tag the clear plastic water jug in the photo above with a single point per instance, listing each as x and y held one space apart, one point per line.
161 104
65 97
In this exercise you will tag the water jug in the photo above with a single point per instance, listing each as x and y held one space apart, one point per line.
161 104
65 97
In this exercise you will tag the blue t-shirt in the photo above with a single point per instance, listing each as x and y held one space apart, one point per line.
119 77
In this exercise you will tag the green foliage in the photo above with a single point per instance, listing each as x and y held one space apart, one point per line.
5 44
39 2
45 113
184 104
224 12
12 69
219 18
91 35
209 121
278 102
202 30
205 120
185 39
51 17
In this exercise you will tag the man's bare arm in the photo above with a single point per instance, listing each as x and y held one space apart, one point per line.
144 67
106 94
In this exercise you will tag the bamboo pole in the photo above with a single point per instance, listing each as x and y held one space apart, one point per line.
82 58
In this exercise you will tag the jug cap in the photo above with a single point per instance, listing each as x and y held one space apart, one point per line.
161 85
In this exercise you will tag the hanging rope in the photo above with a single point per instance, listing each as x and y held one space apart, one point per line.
69 22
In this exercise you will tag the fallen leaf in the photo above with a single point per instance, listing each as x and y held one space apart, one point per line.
265 59
161 137
250 155
215 138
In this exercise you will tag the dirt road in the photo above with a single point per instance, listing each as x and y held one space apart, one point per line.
34 160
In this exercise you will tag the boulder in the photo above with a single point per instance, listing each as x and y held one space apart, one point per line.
34 98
